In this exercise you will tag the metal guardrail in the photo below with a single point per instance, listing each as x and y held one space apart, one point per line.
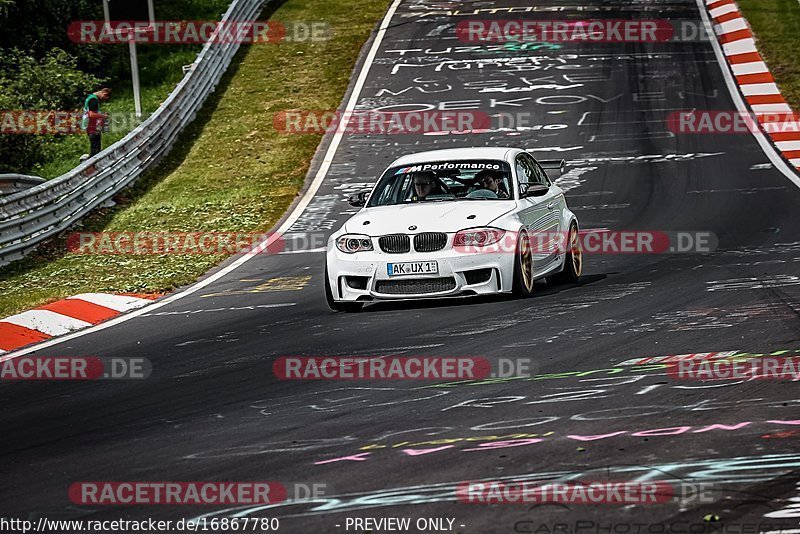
13 183
29 217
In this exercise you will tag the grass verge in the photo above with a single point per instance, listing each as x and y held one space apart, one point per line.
230 171
776 24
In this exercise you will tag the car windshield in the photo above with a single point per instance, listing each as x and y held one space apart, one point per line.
443 181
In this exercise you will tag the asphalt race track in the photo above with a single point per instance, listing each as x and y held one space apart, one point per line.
213 410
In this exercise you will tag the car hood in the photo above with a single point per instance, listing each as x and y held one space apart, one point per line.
448 216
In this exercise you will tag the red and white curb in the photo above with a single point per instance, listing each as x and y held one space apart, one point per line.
64 316
754 79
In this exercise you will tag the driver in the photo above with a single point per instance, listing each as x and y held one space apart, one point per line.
424 185
488 180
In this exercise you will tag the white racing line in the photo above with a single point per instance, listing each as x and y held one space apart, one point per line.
296 213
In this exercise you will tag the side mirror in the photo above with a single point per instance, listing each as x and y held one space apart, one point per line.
533 190
359 199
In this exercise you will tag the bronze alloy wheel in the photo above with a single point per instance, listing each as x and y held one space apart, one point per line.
526 263
575 252
523 266
573 262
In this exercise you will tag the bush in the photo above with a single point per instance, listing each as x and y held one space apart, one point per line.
52 83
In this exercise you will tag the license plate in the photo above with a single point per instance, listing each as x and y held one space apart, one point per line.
411 268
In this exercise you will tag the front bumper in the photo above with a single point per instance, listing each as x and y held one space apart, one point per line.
364 276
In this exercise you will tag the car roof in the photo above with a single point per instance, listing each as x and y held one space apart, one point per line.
456 154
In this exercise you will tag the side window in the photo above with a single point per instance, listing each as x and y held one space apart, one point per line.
540 177
524 170
543 174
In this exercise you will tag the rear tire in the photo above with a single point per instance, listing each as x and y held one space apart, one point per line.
523 267
349 307
573 262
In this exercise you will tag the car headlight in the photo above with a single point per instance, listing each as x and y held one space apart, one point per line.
478 237
352 243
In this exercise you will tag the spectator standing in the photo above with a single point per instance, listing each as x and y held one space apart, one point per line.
94 120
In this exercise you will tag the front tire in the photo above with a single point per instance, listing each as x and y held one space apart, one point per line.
523 267
349 307
573 262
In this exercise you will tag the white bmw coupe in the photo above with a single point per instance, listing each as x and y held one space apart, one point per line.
466 221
